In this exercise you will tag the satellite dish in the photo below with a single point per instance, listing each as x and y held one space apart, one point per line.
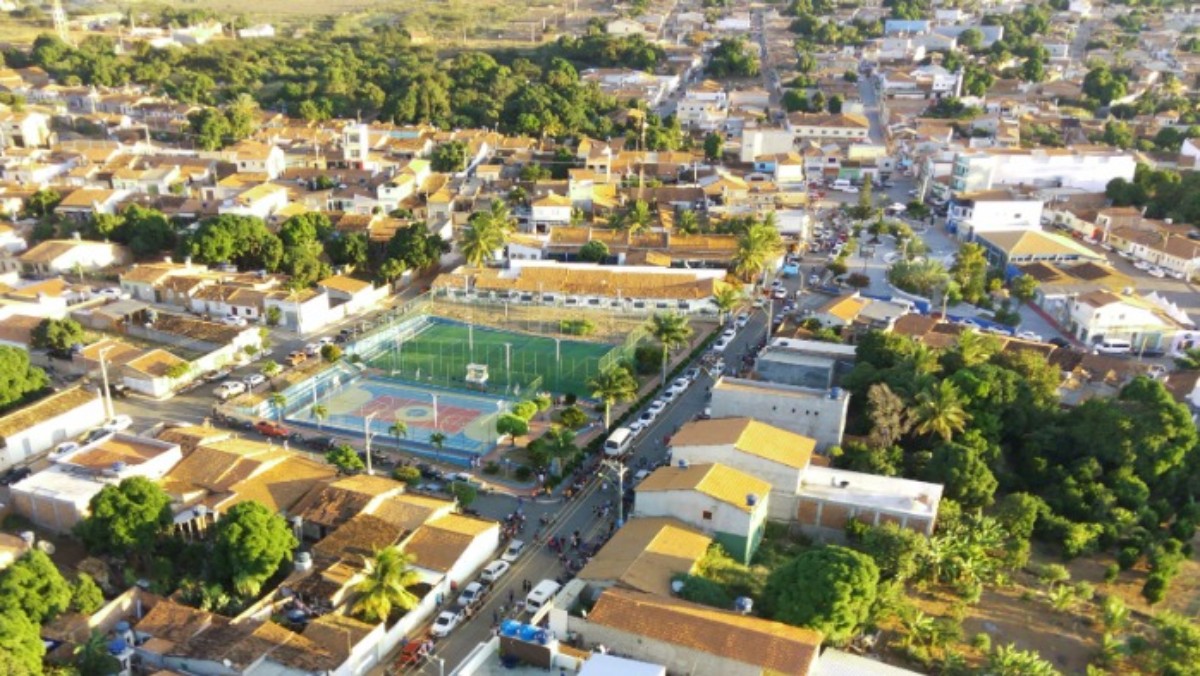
46 547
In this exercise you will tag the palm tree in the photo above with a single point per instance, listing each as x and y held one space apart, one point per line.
939 411
271 369
278 401
612 385
479 240
923 360
500 217
726 299
755 249
386 579
92 657
319 413
560 443
637 217
687 222
671 330
398 429
974 348
437 440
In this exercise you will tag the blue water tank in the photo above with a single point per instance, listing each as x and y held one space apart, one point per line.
542 637
122 627
835 393
528 632
743 604
116 646
510 627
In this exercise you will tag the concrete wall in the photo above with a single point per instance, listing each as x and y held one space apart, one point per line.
31 442
818 416
781 477
738 531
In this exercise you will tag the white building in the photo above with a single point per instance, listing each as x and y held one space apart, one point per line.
818 414
829 127
550 211
37 428
723 502
1146 322
1086 169
975 213
760 141
66 256
58 497
260 201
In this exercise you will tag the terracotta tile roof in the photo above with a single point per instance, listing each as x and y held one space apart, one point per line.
336 634
748 436
345 284
714 480
340 500
437 549
155 363
173 622
359 538
409 512
52 249
124 450
646 553
190 437
777 648
49 407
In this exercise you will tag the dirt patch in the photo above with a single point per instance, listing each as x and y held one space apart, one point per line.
1008 615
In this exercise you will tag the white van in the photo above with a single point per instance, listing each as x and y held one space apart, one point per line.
541 595
618 442
1114 346
841 184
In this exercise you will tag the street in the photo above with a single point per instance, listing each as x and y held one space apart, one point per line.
539 562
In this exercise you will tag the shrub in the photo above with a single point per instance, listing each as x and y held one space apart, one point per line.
407 474
491 468
1155 589
1128 557
705 592
1111 572
523 473
982 642
331 353
858 280
576 327
573 417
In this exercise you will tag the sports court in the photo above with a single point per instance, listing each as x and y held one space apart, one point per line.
437 351
467 421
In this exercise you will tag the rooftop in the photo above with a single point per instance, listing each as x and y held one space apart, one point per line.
748 436
871 490
715 480
47 408
646 553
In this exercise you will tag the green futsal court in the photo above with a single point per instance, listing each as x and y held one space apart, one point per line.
438 352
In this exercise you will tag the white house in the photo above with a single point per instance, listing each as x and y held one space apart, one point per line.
760 141
259 201
977 213
624 26
262 30
58 497
816 413
1087 170
26 129
63 256
356 294
823 126
34 429
1145 321
729 504
254 157
550 211
1191 150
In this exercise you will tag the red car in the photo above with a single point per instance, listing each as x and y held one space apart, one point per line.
270 429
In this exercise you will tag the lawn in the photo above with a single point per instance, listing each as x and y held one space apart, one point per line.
439 355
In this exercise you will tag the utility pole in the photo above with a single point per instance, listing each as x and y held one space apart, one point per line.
59 16
619 469
107 393
367 435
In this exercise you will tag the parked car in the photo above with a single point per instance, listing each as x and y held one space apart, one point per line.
1059 342
779 294
231 389
1029 335
657 406
215 376
1156 271
271 429
471 594
647 417
678 387
445 623
742 320
233 321
692 374
322 444
720 345
254 380
297 357
118 423
14 475
1141 265
637 426
513 552
495 570
312 349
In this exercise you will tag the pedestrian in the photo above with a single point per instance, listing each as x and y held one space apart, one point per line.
510 596
495 617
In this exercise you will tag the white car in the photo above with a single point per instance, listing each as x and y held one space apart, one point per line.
325 340
779 294
445 623
729 334
850 189
677 388
1030 335
495 570
640 476
230 389
742 320
113 293
720 345
118 423
637 426
254 380
312 349
1141 265
1156 271
234 321
646 418
513 552
471 594
657 406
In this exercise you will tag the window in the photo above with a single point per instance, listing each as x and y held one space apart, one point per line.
706 515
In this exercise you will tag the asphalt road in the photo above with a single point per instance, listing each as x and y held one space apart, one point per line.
539 562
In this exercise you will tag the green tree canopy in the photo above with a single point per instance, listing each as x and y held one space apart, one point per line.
21 647
830 589
57 334
345 459
33 586
126 517
449 157
249 544
21 379
595 251
86 597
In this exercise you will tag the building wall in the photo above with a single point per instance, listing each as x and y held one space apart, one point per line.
1086 172
739 531
46 434
818 417
829 518
757 142
781 477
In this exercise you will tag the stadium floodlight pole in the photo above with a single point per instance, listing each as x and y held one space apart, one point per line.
367 436
508 365
435 417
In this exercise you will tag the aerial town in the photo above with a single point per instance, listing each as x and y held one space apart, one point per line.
665 337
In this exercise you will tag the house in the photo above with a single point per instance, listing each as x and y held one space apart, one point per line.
646 554
693 639
150 373
828 498
356 295
549 211
819 414
729 504
975 213
1088 169
826 127
260 201
1008 249
24 129
765 141
32 430
57 498
1146 322
1058 284
81 205
255 157
144 281
1159 243
841 311
804 363
262 30
624 26
70 256
303 310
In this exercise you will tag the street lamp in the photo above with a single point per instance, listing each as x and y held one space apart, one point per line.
108 404
619 469
367 435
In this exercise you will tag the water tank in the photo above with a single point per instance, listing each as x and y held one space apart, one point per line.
835 393
116 646
122 627
743 605
683 463
118 467
542 637
303 561
510 627
28 537
751 500
677 586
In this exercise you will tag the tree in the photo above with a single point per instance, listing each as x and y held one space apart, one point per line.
636 217
59 335
42 203
480 239
830 589
727 298
449 157
963 469
671 330
21 379
733 58
384 587
250 543
512 425
319 413
278 401
21 646
126 518
464 493
1024 288
1177 648
209 128
835 104
896 550
398 429
271 369
714 146
345 459
1104 85
756 248
612 385
594 251
970 39
93 659
1007 660
86 597
438 440
938 411
34 586
416 248
331 353
886 411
